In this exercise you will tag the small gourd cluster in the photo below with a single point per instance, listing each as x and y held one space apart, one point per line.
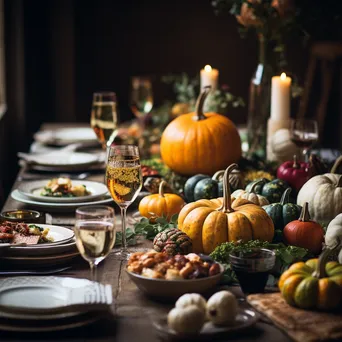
191 311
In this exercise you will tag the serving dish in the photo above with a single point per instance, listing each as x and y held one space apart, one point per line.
172 289
22 215
244 319
33 189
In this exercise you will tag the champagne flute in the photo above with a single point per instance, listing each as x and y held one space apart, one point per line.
104 117
124 181
95 234
141 97
304 133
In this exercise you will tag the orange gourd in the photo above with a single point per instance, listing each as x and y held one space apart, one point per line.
200 143
209 223
304 232
158 205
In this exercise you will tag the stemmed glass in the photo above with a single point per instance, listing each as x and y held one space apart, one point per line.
95 234
304 133
104 118
124 181
141 97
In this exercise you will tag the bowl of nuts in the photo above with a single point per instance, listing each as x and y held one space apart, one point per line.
166 277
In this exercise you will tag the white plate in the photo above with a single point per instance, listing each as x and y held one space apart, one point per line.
43 298
41 250
33 189
50 206
244 319
63 159
66 136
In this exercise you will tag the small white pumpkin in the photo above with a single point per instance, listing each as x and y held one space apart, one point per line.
187 320
333 236
324 195
222 308
251 195
191 299
282 147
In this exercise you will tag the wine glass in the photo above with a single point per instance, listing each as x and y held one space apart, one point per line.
95 234
304 133
141 97
124 181
104 118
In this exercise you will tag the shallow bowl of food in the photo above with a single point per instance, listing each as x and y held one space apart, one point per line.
172 289
22 215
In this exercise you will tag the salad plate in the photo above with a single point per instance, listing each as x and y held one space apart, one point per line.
33 190
65 136
51 206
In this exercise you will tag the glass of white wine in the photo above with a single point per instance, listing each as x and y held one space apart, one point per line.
95 234
104 119
124 181
141 97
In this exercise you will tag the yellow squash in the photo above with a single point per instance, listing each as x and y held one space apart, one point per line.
211 222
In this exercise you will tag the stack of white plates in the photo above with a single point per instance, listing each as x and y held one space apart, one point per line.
38 304
60 251
30 194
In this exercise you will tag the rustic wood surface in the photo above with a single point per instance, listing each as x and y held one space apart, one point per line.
132 311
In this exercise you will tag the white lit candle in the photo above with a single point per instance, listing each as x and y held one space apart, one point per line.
209 77
280 97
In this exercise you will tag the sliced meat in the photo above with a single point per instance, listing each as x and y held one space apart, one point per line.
29 240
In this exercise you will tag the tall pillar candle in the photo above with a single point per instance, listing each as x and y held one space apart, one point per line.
209 77
280 97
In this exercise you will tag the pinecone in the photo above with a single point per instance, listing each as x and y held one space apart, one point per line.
172 241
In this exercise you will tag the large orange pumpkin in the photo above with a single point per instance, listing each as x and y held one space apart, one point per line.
200 143
209 223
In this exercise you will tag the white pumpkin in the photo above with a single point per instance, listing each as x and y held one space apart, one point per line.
251 195
282 147
187 320
222 308
324 195
191 299
333 236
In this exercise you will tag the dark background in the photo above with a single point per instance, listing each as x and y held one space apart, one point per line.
58 52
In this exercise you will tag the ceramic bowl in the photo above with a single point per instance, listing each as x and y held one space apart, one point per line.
167 290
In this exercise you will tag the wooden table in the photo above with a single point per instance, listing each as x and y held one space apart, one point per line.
132 310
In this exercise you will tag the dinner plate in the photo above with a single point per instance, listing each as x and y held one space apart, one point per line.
40 261
66 136
42 250
50 206
33 190
43 298
25 326
244 319
60 235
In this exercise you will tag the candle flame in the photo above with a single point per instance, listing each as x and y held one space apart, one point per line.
283 76
207 68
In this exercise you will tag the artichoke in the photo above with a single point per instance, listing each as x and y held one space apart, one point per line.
172 241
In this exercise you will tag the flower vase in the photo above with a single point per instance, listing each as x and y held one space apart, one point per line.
260 99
